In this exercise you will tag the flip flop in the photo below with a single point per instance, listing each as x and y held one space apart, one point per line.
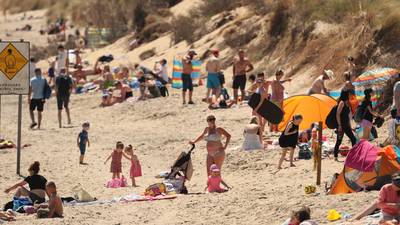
33 125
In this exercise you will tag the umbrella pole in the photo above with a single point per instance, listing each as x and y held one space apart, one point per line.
319 153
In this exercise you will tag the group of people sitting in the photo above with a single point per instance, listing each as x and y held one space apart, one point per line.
39 188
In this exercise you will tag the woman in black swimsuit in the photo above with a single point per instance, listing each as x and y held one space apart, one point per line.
289 138
344 125
37 185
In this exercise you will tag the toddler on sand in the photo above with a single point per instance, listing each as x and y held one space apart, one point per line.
214 181
136 169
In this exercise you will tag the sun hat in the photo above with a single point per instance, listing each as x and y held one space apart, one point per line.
214 168
329 73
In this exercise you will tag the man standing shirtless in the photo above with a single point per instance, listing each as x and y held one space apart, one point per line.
213 68
241 66
187 82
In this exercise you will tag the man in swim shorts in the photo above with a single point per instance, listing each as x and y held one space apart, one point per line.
213 81
187 82
241 66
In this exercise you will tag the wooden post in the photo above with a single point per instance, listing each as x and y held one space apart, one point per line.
319 160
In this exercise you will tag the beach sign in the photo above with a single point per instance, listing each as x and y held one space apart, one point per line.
14 68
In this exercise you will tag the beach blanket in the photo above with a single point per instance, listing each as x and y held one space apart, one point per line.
362 156
139 198
177 73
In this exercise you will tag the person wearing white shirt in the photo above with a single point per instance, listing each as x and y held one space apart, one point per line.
61 60
162 70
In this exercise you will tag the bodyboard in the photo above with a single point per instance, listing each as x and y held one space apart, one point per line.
268 110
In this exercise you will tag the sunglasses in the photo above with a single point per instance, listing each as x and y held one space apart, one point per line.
211 119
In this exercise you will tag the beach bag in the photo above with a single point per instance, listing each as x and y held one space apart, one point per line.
360 114
46 90
225 94
304 151
81 195
330 120
164 91
156 190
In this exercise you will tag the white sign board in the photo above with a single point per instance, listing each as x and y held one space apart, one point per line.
14 68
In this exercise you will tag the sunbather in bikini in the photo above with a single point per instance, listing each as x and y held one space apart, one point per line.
213 136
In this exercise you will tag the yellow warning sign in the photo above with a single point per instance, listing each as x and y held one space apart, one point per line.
11 61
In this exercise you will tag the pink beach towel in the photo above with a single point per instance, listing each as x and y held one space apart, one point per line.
362 156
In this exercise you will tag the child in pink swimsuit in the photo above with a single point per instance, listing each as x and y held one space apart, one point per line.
136 169
116 158
214 181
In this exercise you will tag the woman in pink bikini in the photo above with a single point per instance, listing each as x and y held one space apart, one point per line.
215 149
116 158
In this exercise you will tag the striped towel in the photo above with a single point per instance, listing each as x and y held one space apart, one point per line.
177 73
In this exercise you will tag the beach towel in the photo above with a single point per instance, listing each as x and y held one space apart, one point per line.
362 156
177 73
140 198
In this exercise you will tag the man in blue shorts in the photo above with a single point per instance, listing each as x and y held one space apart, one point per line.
213 68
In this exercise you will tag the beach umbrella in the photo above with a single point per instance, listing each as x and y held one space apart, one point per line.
313 108
375 77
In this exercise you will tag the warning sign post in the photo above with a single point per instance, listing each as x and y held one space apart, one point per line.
14 79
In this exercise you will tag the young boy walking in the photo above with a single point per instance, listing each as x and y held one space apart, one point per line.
83 139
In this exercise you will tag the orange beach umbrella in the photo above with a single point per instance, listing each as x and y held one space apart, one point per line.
313 108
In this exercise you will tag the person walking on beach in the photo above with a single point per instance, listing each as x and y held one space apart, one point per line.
289 138
367 113
82 141
187 82
36 97
63 88
213 67
277 95
343 120
241 66
318 86
61 60
215 149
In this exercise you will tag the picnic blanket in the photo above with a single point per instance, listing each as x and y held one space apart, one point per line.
177 72
362 156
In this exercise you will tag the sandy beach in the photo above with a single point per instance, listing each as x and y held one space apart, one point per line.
160 129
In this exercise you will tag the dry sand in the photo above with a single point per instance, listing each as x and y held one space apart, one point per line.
160 129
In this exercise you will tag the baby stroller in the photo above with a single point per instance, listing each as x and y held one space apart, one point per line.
181 171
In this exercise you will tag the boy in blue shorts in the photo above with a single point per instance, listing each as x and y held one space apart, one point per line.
83 139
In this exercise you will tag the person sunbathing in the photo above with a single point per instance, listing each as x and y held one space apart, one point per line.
80 75
54 209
